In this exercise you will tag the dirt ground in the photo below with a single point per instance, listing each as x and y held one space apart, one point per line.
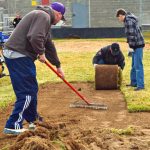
66 128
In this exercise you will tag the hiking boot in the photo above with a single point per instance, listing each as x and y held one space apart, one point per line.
14 131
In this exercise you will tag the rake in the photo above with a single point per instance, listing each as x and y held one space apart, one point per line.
77 104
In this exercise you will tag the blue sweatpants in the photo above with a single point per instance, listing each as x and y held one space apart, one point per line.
23 77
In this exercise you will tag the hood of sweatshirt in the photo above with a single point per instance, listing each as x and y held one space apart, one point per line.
130 16
48 10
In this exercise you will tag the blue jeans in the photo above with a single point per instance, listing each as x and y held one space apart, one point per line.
137 70
23 77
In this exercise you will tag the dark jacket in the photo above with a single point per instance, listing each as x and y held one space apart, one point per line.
133 32
32 36
105 54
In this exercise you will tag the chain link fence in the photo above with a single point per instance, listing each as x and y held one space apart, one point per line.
81 13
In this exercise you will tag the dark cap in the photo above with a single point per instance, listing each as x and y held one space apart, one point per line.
115 49
60 8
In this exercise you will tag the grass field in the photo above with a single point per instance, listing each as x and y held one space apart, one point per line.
77 66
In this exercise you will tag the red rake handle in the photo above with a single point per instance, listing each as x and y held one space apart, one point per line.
67 82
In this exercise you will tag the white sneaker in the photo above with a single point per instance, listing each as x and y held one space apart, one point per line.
14 131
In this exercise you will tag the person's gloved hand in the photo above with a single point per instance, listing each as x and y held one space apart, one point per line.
95 65
60 71
119 68
130 51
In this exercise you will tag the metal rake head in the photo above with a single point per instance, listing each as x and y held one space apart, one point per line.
95 106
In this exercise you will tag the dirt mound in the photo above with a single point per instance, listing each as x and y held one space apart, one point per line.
48 136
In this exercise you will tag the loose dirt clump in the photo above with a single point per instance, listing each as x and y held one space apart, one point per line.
33 143
37 143
40 138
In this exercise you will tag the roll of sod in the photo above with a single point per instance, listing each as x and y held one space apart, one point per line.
107 77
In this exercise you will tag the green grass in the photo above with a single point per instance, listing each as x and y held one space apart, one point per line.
140 100
126 131
78 67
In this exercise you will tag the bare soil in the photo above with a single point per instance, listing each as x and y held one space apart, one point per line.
79 128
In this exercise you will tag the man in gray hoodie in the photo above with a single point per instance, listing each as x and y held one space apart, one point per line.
30 40
136 42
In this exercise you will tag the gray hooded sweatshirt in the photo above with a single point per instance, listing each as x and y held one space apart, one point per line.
32 36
